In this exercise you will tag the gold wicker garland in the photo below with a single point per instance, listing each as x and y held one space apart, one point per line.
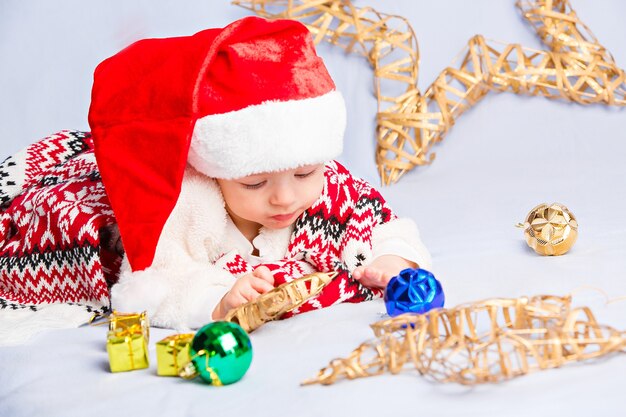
488 341
577 68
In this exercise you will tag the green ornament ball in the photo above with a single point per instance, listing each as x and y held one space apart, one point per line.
221 352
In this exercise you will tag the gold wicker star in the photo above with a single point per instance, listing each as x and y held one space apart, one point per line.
282 299
576 68
487 341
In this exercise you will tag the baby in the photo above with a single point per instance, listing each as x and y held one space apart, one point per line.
274 200
217 153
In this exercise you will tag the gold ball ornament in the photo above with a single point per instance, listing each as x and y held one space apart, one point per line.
550 229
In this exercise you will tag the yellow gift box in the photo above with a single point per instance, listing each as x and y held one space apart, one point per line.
173 353
127 341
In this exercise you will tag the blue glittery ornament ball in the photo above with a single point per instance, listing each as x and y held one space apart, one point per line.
413 291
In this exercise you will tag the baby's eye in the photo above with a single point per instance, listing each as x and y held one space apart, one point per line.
305 174
254 186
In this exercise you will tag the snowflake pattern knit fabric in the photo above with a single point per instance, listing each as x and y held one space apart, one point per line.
53 210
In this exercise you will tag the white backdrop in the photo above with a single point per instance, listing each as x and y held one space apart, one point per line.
502 158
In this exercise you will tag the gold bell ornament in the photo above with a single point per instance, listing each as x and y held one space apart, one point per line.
550 229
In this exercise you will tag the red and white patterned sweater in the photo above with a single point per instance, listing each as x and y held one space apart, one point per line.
54 217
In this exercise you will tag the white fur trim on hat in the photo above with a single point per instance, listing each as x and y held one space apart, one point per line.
272 136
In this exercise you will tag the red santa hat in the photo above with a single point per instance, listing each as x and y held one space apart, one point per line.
251 97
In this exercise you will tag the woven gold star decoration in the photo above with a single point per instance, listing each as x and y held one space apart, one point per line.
282 299
488 341
576 68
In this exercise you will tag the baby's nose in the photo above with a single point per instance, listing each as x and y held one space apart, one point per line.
283 195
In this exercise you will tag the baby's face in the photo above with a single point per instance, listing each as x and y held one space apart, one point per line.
274 199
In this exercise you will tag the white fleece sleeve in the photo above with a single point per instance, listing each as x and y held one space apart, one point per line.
181 295
182 287
400 237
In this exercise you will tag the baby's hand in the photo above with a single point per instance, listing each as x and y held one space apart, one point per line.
378 273
246 288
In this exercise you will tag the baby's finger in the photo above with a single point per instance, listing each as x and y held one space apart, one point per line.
265 274
374 277
373 273
261 285
249 293
233 300
386 277
357 274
